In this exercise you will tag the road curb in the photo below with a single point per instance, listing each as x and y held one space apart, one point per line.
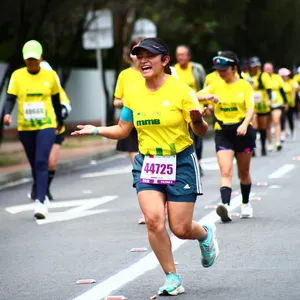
68 164
62 166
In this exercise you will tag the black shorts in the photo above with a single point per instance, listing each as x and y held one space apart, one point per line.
59 138
263 114
228 140
130 144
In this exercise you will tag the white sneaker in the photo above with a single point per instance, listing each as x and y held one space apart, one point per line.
246 211
41 210
270 147
223 211
47 202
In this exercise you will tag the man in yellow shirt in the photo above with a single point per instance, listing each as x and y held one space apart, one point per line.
193 74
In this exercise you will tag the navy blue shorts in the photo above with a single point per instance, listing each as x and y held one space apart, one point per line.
59 138
188 182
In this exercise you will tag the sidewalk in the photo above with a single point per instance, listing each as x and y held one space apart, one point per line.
75 151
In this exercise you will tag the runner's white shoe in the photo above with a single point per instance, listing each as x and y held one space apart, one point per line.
40 210
246 211
224 213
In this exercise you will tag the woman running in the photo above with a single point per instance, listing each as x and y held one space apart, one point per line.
166 168
233 103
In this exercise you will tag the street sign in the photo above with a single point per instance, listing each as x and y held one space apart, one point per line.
99 33
144 28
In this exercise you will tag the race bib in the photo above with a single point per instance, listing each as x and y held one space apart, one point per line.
159 170
257 97
274 96
34 111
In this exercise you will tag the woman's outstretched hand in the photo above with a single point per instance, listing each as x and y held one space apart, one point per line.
84 130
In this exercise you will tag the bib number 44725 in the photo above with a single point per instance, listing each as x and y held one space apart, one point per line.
159 170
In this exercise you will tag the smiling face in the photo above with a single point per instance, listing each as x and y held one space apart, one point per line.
151 65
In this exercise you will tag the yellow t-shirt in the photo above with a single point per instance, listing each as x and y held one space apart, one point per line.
34 91
297 78
186 75
127 80
277 84
290 87
261 97
234 100
212 78
162 117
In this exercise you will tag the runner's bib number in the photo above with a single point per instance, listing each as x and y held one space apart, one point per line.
159 170
257 97
34 111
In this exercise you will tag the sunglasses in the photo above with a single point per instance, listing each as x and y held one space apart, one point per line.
224 61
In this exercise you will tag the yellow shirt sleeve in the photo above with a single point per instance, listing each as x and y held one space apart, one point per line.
56 87
189 103
12 87
119 91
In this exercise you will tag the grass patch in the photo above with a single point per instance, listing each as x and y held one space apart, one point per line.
9 161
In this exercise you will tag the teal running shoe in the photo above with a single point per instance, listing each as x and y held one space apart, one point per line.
172 286
209 247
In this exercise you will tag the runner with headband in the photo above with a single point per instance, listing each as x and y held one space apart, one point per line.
233 103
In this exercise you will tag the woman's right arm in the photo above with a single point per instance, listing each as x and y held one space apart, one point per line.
10 102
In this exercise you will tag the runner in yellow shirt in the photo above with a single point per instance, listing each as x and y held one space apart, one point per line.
262 85
233 103
39 116
193 74
59 138
127 80
278 106
290 87
166 167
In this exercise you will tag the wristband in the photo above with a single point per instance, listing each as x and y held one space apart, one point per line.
95 131
198 122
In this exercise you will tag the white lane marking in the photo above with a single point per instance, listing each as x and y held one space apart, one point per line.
102 160
211 163
146 264
81 208
108 172
282 171
14 183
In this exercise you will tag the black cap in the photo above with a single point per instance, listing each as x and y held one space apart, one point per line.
254 62
150 45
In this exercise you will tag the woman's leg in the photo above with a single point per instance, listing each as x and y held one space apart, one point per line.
243 161
276 115
152 204
28 140
225 161
44 142
263 123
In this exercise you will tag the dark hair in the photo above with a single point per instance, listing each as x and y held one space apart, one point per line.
164 45
135 42
231 55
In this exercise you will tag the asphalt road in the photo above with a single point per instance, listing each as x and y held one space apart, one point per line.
93 227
